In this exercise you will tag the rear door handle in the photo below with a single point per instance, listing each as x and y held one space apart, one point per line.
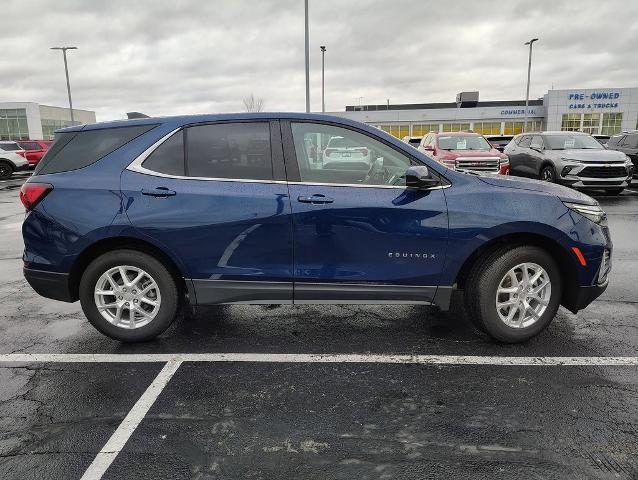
158 192
316 199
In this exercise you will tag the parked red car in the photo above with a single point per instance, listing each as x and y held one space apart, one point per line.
35 149
464 151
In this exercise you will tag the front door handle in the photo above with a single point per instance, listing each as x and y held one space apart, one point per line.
158 192
316 199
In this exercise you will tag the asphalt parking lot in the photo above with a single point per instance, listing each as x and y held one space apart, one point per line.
319 392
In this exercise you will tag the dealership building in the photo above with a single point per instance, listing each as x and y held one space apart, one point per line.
32 121
603 111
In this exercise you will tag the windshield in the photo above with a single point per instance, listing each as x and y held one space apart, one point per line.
340 142
564 142
463 142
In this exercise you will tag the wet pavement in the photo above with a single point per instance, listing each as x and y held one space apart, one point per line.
317 420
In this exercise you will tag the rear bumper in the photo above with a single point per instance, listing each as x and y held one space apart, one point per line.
21 168
50 284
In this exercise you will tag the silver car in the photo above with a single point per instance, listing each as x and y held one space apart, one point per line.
574 159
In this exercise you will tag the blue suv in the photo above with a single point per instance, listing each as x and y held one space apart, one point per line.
138 218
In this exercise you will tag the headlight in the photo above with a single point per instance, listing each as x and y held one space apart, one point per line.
628 162
592 212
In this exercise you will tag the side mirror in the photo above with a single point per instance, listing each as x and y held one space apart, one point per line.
418 176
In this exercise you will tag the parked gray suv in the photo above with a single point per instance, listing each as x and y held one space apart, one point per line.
574 159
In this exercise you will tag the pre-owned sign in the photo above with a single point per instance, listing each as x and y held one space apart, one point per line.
593 100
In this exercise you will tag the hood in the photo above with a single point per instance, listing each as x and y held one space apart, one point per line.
564 193
588 155
475 153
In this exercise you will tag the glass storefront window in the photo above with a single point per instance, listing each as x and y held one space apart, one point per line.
591 123
487 128
421 129
398 131
13 124
455 127
570 122
611 123
50 125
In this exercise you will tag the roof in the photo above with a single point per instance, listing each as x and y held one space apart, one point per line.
441 105
214 117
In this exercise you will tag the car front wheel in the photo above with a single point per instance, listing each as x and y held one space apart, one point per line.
128 295
6 170
548 174
513 294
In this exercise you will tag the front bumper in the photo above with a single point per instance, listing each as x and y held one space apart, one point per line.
595 175
50 284
584 295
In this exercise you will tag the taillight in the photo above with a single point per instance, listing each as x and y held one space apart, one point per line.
22 153
327 152
364 151
32 193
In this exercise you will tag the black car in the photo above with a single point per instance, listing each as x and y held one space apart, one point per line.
627 143
499 141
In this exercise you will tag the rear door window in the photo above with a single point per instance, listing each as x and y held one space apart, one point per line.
229 150
168 158
74 150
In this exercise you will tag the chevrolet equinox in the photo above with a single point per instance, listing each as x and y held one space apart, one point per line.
138 218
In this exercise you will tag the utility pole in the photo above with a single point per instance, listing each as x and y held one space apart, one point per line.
529 71
66 71
307 61
323 78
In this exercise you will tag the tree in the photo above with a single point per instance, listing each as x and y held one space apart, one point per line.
252 104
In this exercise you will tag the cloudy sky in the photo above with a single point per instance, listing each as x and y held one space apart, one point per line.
170 57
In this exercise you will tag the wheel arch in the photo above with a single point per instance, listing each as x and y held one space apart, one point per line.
129 243
561 256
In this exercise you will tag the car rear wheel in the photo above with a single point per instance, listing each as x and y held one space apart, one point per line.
548 174
128 295
514 293
6 170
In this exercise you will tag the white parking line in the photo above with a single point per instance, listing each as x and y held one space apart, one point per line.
315 358
119 438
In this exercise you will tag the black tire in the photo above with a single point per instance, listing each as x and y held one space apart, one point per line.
548 174
166 284
6 169
482 284
614 191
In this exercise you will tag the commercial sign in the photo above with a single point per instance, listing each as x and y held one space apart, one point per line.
593 100
516 112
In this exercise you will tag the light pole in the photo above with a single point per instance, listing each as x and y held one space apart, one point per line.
323 85
307 61
66 71
529 71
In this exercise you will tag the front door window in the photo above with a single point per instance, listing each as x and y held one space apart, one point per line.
335 155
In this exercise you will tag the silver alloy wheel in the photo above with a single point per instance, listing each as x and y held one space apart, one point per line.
547 175
523 295
127 296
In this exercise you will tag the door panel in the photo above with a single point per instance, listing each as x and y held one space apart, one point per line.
366 239
231 235
392 236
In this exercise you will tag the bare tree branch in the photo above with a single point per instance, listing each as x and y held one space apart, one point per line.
252 104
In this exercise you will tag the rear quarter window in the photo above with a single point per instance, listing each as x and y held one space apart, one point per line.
74 150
